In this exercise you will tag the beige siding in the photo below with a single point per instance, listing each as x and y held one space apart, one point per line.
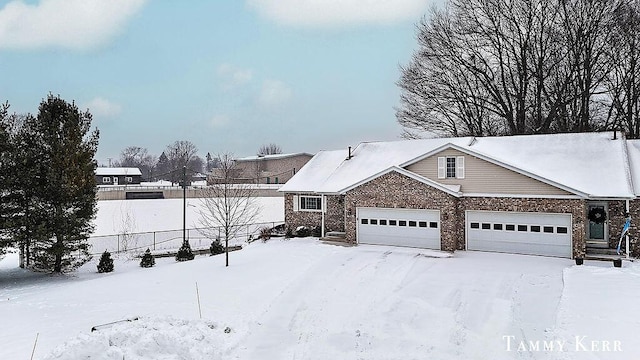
484 177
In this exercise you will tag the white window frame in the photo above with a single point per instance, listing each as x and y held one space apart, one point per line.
128 179
300 203
106 179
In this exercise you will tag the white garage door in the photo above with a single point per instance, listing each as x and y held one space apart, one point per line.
519 233
399 227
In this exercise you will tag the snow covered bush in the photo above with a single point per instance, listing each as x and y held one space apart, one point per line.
302 231
147 259
216 247
106 263
185 253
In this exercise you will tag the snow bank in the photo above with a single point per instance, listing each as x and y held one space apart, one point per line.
149 338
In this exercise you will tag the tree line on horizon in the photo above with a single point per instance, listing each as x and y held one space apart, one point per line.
168 166
510 67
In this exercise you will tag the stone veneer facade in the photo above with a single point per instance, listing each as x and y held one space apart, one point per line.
394 190
616 219
333 219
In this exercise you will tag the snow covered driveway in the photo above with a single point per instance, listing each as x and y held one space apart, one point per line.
301 299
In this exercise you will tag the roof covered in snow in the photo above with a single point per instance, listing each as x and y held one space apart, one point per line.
117 171
591 165
272 157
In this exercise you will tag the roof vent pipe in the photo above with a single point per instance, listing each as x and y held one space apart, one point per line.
349 156
614 133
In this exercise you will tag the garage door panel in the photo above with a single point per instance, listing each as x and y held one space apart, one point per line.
399 227
522 233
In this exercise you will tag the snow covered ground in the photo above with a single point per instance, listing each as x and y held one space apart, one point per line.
302 299
166 214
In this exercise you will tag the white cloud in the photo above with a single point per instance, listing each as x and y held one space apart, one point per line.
234 76
218 121
330 13
274 93
102 107
72 24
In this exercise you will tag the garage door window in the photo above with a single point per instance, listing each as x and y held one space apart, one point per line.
522 227
402 223
561 230
383 222
510 227
548 229
365 221
374 222
497 226
433 225
475 225
393 222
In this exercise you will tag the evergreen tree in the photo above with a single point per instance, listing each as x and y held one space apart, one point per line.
185 253
5 166
163 167
106 263
147 259
68 194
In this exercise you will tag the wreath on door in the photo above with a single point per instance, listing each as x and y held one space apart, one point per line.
597 215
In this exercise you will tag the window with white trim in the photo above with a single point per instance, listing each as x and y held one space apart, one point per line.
128 179
310 203
451 167
106 179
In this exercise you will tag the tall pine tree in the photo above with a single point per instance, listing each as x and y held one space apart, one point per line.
66 149
5 166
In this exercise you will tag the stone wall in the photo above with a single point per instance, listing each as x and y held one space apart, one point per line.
577 209
394 190
617 218
334 216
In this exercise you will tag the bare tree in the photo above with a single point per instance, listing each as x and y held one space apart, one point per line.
506 67
270 149
623 80
135 156
179 154
226 204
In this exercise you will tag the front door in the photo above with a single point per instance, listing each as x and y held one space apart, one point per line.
597 230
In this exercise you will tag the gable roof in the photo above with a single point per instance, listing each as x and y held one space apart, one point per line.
119 171
590 165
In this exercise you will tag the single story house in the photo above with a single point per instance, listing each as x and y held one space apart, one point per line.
270 169
118 176
553 195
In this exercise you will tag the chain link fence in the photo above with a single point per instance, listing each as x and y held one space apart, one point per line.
170 240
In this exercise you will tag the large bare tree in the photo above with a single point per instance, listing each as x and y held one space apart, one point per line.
506 67
180 154
136 156
227 205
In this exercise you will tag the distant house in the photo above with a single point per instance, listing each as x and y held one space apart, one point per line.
270 169
562 195
118 176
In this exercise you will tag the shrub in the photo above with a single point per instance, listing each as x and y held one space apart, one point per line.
288 233
147 259
216 247
106 263
185 253
265 233
316 231
302 231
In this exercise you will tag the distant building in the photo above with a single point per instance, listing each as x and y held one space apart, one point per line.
118 176
268 169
